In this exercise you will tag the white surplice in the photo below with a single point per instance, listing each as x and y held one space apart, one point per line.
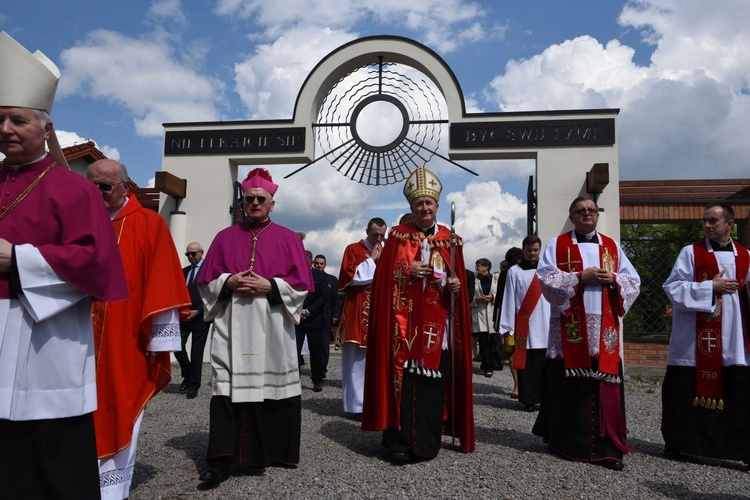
254 347
516 286
47 367
689 298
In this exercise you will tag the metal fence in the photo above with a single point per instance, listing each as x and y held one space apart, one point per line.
653 249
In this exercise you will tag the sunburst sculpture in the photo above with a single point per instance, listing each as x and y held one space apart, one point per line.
352 143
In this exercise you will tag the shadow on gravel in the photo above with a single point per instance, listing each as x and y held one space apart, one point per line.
142 473
500 403
327 407
194 446
349 434
518 439
671 490
657 450
172 388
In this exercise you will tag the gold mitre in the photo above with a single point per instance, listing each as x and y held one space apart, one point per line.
422 182
29 81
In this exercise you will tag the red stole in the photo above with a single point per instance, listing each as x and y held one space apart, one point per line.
574 326
522 322
423 323
708 352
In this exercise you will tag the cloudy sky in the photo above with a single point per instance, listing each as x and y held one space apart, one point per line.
679 71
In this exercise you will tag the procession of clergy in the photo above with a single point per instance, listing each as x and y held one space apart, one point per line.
93 295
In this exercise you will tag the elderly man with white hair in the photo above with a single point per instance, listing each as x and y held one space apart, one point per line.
57 253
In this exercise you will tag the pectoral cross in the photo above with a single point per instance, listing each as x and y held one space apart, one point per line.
570 263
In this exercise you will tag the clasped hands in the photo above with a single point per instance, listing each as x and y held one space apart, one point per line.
420 270
597 276
248 284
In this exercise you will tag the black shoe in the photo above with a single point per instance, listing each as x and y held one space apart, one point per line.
671 454
184 386
216 472
399 457
192 393
317 387
529 408
612 464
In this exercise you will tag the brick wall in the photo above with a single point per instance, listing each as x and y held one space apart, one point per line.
646 352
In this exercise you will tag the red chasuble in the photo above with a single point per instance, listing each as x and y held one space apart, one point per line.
125 379
406 326
356 317
63 216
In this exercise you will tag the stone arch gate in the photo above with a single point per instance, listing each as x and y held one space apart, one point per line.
575 151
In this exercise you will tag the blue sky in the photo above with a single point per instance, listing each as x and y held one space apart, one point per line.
679 70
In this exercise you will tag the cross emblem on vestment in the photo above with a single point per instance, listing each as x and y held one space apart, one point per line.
431 337
570 263
709 342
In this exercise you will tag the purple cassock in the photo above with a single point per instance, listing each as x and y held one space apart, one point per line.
63 216
279 254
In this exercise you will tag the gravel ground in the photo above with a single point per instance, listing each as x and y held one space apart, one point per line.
338 460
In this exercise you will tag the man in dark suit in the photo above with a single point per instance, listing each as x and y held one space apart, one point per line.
313 325
333 311
191 368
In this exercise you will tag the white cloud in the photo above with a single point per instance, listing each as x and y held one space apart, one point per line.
489 220
168 11
67 139
681 115
111 153
444 25
689 34
142 76
268 81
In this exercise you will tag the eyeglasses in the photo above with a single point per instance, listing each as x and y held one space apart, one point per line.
585 211
193 254
711 222
251 199
103 186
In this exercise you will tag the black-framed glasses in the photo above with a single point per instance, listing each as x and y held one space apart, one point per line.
251 199
193 254
103 186
584 211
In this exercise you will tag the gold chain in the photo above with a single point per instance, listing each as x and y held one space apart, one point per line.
27 191
255 242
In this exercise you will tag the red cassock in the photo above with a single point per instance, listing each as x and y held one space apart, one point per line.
125 379
398 336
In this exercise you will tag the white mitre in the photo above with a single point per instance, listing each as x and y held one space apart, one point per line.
29 81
